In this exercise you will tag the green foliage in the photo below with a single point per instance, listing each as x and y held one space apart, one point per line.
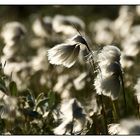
13 88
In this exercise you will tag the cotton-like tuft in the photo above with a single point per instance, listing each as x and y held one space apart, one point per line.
107 81
109 53
12 32
73 117
64 54
125 127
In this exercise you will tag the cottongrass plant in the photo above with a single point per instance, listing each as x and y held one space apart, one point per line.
102 31
73 117
67 53
12 32
125 127
64 24
107 81
8 107
106 65
123 22
42 26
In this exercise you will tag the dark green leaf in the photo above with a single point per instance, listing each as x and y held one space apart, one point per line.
51 102
13 88
39 96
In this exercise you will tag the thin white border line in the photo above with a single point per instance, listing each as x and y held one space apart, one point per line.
71 2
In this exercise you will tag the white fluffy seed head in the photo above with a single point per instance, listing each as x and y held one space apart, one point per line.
42 27
125 127
72 114
63 24
109 69
8 108
67 53
107 81
127 61
12 32
108 86
64 54
72 108
114 128
109 53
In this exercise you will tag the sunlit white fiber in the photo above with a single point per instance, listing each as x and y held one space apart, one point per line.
63 24
80 81
131 45
107 81
40 61
109 53
108 86
114 128
113 68
61 82
73 118
67 92
126 61
125 127
12 32
8 108
42 27
123 23
67 53
63 128
63 54
102 31
137 89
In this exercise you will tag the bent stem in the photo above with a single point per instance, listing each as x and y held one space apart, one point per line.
104 115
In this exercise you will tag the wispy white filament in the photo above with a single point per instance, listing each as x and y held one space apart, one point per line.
12 32
67 53
8 108
63 54
125 127
42 27
63 24
73 118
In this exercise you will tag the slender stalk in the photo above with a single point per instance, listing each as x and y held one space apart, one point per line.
72 123
95 126
90 51
115 112
104 115
124 94
138 111
137 106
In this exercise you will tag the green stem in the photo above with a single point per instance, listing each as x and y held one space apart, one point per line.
115 112
137 106
104 115
124 94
